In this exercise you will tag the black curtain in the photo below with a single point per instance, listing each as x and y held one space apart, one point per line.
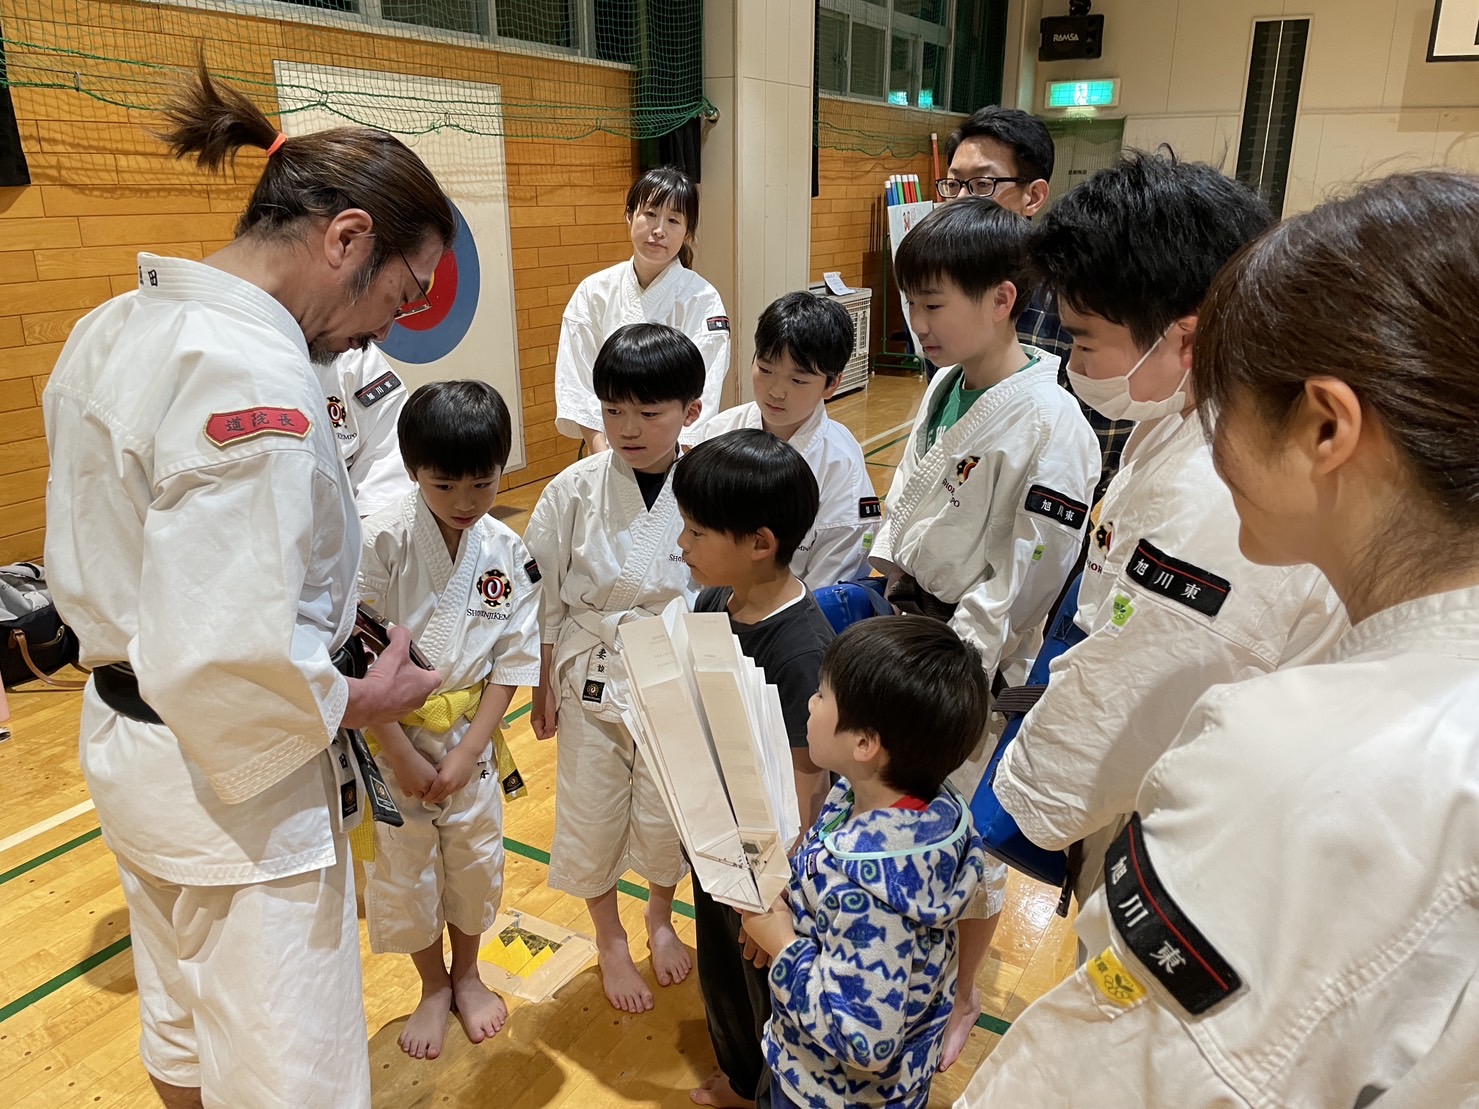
13 170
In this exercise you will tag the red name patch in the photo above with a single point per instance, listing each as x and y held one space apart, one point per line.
247 423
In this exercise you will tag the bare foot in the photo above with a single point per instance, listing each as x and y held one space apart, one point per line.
958 1027
620 979
422 1036
670 959
716 1090
481 1011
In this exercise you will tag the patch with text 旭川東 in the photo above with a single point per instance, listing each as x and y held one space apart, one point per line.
225 428
378 389
869 508
531 571
718 323
1176 580
1158 931
1055 506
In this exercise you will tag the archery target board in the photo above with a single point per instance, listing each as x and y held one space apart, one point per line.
1455 34
470 330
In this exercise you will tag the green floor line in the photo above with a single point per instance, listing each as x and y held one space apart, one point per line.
47 856
988 1023
891 443
26 1000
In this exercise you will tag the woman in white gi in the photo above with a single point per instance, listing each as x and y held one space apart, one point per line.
1293 917
656 286
1169 606
203 543
464 585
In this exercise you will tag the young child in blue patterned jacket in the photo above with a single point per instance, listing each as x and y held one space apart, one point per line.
864 955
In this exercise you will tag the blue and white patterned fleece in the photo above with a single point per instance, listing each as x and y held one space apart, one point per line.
862 996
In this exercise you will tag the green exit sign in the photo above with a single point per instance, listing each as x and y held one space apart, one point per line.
1100 93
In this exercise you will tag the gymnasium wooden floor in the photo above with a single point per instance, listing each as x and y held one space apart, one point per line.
68 1009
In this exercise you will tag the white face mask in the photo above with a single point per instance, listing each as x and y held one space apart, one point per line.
1110 396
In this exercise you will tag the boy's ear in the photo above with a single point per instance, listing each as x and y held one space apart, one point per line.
831 389
1186 337
1003 298
867 747
694 408
1036 196
762 545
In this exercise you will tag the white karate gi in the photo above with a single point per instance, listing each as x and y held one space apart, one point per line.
836 548
991 519
201 530
1319 827
1115 701
364 407
477 621
606 559
612 298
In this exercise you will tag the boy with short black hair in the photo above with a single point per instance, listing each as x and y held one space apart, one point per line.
464 585
802 344
864 957
985 518
605 534
748 499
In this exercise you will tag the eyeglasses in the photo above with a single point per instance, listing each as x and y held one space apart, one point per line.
950 187
414 307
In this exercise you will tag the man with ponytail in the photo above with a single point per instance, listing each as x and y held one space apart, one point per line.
203 542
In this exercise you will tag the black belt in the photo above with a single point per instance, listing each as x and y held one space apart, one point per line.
118 686
909 596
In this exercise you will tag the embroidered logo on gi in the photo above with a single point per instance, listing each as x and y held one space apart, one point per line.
494 588
593 692
378 389
1055 506
336 412
964 467
1156 929
248 423
531 571
1104 536
1112 979
869 508
1177 580
718 323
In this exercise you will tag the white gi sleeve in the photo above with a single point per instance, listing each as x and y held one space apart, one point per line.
838 554
377 474
516 654
231 645
713 344
575 392
1043 542
547 535
1113 705
376 565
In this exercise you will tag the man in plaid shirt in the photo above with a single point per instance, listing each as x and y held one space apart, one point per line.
1007 155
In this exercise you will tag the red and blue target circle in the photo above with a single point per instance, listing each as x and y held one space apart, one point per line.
435 333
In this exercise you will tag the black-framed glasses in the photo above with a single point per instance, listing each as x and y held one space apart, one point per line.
414 307
951 187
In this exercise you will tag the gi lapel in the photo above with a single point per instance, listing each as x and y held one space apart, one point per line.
450 581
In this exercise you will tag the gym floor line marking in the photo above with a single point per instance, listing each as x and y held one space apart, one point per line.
45 825
885 446
868 442
47 856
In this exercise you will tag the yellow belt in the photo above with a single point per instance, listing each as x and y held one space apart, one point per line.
438 714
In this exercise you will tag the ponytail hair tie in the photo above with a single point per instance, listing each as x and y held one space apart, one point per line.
276 144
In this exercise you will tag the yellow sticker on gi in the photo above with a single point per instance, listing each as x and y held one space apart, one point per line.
1120 611
1112 979
1037 554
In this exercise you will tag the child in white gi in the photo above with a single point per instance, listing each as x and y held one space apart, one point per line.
985 517
802 344
467 589
605 533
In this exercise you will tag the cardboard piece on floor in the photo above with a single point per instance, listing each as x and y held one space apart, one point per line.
711 728
531 958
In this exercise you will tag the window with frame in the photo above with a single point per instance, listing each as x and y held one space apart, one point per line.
912 53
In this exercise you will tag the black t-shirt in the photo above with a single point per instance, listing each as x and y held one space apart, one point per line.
651 485
788 645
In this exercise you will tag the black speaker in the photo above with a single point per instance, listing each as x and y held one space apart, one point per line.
1066 37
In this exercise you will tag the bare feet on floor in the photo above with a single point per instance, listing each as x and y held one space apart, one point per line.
481 1011
620 978
424 1031
958 1027
670 959
716 1090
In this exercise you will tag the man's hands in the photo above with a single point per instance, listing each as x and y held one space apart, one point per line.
393 687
